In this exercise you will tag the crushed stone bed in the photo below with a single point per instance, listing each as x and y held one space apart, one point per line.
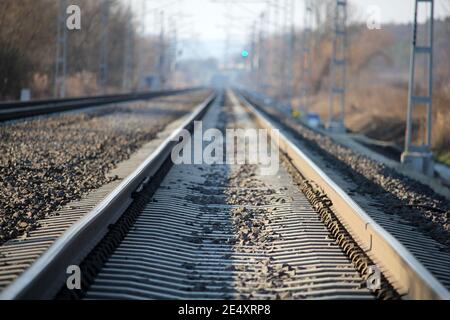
389 190
47 162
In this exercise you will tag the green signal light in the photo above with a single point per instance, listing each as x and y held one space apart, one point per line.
245 54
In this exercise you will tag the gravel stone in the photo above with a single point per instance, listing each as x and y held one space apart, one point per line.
47 162
252 222
390 191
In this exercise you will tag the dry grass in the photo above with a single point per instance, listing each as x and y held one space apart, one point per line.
377 84
82 84
379 112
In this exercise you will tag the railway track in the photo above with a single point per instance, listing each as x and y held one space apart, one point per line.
222 231
17 110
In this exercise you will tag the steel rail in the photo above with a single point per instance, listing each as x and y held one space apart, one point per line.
16 110
46 276
189 242
404 271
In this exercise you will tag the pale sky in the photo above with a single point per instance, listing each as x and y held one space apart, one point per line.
205 24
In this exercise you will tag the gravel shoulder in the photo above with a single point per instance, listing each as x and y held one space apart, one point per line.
47 162
388 190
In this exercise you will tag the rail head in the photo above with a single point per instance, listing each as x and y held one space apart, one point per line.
46 276
405 272
22 104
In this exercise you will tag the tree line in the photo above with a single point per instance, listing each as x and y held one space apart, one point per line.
28 37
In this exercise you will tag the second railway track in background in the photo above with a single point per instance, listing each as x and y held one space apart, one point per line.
226 231
23 109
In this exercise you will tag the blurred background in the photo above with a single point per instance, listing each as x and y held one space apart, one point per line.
257 44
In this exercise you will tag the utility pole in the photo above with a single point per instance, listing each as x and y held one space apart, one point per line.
420 157
61 52
229 10
288 45
261 50
253 40
306 59
173 47
140 63
277 11
291 50
257 38
157 59
268 26
227 29
161 62
338 69
277 43
103 69
127 76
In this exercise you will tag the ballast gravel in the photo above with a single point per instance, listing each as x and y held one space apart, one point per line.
390 190
47 162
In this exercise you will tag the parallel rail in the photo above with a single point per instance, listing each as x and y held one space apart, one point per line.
17 110
407 274
46 276
226 231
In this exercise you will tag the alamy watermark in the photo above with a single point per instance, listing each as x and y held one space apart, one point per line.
373 282
73 19
238 146
73 281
